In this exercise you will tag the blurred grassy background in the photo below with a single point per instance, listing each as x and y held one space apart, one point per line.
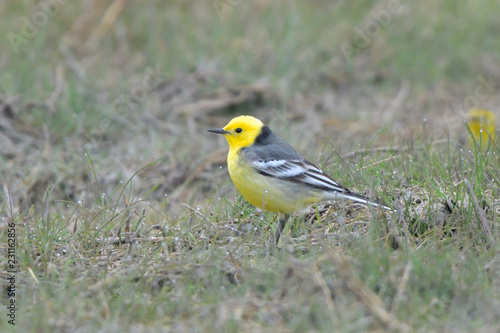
94 91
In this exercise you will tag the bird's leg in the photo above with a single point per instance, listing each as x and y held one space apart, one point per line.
281 225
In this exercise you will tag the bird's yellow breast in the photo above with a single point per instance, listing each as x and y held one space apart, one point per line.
264 192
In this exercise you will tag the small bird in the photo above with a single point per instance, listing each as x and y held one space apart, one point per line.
271 174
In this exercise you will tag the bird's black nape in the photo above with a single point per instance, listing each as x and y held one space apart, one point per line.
263 137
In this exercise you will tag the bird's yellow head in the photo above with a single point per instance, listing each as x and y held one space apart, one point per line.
241 131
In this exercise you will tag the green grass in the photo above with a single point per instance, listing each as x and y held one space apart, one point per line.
126 217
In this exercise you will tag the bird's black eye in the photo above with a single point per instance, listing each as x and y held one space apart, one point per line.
238 130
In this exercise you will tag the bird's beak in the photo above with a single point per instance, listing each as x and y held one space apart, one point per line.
218 131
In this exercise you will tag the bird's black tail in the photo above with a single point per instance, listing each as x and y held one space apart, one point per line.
362 199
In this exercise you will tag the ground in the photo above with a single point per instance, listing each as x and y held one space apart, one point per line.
116 209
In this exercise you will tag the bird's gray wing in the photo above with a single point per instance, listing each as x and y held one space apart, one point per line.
298 171
273 157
